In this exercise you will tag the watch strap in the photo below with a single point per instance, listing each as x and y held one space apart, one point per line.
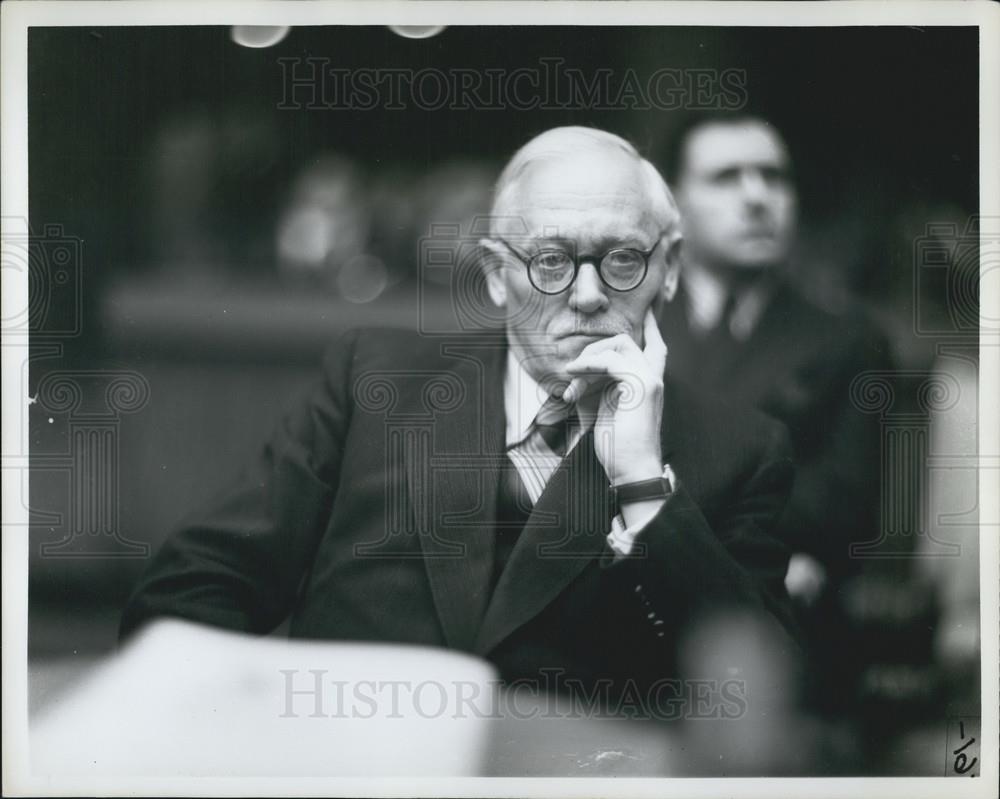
654 488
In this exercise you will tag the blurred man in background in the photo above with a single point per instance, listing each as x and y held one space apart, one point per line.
743 329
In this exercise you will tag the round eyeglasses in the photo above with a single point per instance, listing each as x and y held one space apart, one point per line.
553 271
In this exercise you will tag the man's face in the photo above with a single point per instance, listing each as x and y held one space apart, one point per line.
738 205
585 206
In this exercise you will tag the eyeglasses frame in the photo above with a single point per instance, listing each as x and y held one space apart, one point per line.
578 261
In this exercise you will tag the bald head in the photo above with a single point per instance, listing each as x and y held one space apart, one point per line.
579 150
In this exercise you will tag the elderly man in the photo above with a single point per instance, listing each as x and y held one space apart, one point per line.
547 499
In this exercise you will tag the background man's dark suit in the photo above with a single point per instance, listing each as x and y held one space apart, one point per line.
370 516
797 366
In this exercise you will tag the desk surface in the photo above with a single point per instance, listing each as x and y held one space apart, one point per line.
187 700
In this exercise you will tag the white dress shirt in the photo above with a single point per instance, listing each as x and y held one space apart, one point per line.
706 300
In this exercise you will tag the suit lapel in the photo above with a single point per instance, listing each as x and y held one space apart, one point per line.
566 531
718 361
779 327
700 358
453 494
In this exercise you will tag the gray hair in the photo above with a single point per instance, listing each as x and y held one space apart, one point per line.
558 143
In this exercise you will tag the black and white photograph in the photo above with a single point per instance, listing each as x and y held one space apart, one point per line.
500 399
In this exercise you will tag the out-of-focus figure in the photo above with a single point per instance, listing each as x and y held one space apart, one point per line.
393 220
916 615
210 187
324 231
762 730
750 334
455 192
451 215
449 201
953 518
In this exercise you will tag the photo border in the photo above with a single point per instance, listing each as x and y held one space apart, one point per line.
18 16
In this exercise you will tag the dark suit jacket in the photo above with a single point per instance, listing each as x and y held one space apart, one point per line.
370 516
797 366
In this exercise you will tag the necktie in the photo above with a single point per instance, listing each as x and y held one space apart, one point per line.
551 429
723 329
713 352
553 424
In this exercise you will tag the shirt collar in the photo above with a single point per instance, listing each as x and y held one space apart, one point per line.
706 299
523 398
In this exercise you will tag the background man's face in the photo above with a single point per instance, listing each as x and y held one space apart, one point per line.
585 205
738 205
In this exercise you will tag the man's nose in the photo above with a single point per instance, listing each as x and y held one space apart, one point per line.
588 293
754 186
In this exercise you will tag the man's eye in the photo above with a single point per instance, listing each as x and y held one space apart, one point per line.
774 175
623 259
725 177
552 260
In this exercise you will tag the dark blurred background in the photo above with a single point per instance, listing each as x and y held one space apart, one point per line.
221 240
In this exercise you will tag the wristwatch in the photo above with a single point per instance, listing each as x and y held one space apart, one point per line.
655 488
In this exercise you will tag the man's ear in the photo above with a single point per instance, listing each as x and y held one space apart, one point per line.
672 245
492 264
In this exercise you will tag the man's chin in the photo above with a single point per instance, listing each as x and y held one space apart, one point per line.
760 256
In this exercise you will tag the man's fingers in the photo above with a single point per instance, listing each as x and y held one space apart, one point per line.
605 364
594 362
655 347
621 343
617 358
585 384
577 388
